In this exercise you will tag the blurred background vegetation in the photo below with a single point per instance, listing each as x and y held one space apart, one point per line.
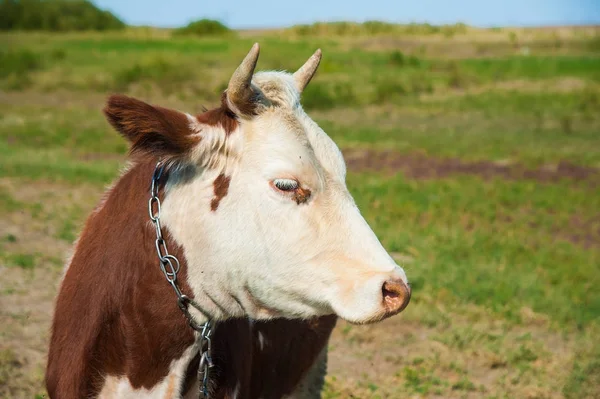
55 16
474 154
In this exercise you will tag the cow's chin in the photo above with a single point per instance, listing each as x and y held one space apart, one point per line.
365 311
279 306
374 318
305 311
361 317
300 311
377 313
294 311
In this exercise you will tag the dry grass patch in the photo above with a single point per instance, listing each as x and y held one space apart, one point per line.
438 351
40 221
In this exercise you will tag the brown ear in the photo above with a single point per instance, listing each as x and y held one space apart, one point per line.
150 129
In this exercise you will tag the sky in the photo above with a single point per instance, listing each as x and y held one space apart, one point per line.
269 13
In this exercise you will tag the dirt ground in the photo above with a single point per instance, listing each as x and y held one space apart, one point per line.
423 167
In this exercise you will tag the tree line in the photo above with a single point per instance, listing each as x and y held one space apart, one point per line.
55 15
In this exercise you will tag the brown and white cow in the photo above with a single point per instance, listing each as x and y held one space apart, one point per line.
271 245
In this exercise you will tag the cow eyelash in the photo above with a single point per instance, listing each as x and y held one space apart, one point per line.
286 185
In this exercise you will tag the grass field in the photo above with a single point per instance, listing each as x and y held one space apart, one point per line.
474 154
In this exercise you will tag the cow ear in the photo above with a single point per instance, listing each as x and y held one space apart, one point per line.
150 129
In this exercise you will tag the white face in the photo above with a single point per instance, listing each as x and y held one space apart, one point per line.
287 239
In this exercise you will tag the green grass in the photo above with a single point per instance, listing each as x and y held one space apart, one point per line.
70 144
18 62
9 238
22 260
534 68
531 128
99 63
9 204
488 243
584 380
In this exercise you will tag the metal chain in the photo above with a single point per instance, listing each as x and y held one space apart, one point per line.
169 265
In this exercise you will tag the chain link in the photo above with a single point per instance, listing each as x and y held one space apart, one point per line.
169 265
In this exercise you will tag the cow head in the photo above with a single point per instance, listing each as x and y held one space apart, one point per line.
257 199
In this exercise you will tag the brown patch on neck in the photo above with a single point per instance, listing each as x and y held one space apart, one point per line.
273 374
221 116
221 187
301 195
115 313
252 359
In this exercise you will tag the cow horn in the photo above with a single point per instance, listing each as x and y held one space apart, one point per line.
303 75
239 90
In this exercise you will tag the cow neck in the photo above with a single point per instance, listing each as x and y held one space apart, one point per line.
170 266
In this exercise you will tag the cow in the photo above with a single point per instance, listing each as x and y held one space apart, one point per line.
266 247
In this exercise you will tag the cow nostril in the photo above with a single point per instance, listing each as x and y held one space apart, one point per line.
396 295
388 293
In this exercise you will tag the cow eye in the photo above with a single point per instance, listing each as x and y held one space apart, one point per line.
286 184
